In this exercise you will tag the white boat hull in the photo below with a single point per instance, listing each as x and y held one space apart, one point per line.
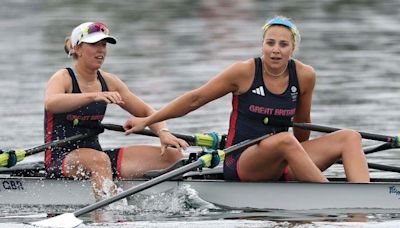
260 196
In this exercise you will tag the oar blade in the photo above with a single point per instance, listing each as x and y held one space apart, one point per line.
66 220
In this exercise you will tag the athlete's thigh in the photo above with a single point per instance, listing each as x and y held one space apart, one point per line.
324 150
80 161
262 161
138 159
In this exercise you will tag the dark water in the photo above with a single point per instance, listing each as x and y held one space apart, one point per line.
168 47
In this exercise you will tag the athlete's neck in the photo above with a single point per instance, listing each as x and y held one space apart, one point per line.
84 74
267 72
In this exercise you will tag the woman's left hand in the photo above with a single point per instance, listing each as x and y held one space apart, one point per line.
167 139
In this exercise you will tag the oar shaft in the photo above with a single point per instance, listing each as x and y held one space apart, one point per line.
210 140
384 167
61 142
365 135
373 149
326 129
379 167
114 127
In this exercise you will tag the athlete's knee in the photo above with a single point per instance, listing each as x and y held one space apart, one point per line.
349 136
288 142
283 142
100 161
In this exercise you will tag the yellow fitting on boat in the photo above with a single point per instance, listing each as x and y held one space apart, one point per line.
206 140
206 160
221 154
4 157
20 154
211 160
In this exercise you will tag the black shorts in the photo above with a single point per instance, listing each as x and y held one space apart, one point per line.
231 169
55 170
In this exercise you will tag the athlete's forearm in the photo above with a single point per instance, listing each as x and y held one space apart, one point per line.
60 103
301 135
177 108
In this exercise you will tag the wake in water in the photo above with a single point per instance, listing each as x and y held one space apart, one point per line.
181 201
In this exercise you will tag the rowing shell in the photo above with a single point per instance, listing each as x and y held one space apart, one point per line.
337 194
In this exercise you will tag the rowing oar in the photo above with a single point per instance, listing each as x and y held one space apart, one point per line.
376 148
313 127
211 140
380 167
10 158
381 147
208 160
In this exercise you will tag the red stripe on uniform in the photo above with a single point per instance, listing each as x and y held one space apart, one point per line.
233 121
49 137
285 174
119 162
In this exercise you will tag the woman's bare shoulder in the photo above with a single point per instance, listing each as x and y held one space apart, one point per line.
61 75
107 75
306 75
244 65
242 73
304 70
112 80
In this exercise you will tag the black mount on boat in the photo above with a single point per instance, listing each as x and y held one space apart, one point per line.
31 169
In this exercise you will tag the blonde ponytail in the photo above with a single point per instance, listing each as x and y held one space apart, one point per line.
68 47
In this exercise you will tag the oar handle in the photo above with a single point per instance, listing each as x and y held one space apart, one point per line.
313 127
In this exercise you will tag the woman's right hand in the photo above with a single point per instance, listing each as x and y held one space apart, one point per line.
109 97
167 139
134 124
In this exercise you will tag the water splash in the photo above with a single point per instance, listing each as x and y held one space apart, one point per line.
108 190
179 202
